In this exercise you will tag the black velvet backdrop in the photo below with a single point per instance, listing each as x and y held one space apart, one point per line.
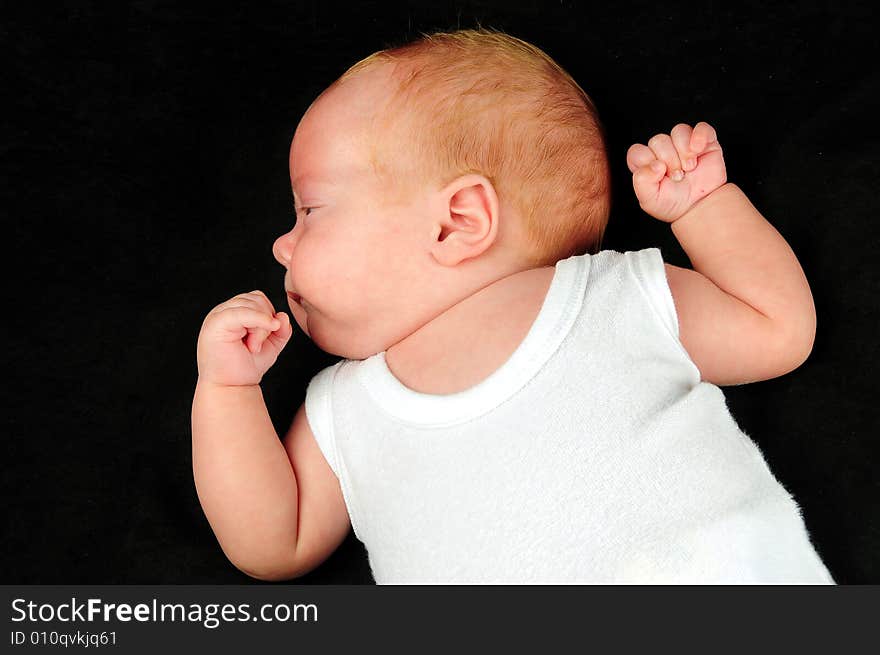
144 179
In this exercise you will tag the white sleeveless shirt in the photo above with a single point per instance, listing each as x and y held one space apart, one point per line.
594 454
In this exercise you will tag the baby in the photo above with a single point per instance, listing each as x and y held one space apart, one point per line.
514 404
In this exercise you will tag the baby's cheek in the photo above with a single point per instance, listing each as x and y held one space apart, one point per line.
308 270
326 276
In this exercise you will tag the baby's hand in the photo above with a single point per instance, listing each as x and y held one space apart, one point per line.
240 340
694 161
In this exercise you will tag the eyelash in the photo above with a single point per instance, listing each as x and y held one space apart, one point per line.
302 209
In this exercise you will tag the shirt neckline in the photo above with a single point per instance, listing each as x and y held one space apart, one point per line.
554 321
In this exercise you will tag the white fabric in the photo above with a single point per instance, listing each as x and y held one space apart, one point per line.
594 454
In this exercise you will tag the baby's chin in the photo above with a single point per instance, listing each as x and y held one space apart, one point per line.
343 345
300 316
329 338
330 344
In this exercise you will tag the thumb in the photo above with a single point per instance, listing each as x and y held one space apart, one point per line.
646 180
281 336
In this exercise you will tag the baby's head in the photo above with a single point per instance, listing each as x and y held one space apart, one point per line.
427 172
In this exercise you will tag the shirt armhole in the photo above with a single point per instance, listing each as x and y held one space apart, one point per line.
319 412
650 272
320 415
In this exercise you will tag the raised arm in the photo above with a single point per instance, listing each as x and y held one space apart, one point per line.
276 507
745 312
244 478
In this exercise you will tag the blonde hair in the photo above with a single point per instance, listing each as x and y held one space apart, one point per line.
482 101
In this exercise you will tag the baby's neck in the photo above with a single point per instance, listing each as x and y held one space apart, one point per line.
465 344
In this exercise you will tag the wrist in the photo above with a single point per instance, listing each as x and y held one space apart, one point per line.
707 204
214 385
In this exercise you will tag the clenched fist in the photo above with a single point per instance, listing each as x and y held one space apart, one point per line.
695 166
240 340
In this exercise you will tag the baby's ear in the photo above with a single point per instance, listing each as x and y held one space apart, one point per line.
468 222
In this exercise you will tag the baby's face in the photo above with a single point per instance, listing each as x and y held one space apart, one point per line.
361 266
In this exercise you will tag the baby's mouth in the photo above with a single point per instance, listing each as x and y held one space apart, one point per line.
295 297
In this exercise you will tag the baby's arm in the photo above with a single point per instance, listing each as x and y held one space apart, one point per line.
746 312
245 482
275 507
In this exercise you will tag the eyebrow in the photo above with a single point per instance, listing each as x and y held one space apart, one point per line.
314 181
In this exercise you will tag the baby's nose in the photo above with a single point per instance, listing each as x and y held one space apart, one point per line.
281 249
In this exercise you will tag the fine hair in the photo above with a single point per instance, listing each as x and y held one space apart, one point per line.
483 101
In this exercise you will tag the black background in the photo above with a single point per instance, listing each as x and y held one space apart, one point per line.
144 179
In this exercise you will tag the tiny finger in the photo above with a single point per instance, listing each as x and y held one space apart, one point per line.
252 318
681 138
261 338
638 156
646 178
251 340
280 336
703 135
664 149
261 299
